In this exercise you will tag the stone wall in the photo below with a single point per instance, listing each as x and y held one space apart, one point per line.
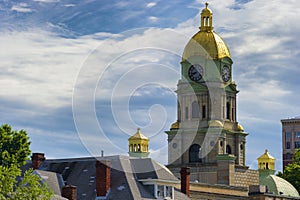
245 177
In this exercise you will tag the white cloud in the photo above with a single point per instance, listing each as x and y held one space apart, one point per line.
41 67
47 1
151 4
70 5
153 19
22 7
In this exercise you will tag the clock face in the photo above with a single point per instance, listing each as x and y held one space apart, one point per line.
195 72
226 73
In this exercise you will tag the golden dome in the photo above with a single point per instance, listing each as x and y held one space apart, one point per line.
266 155
215 124
138 145
240 127
138 135
206 42
175 125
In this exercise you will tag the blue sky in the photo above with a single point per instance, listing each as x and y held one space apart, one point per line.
81 76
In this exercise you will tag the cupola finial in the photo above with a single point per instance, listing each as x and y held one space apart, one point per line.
206 19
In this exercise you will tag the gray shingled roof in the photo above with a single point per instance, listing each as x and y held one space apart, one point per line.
125 175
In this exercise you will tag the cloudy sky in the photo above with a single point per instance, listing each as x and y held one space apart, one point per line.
81 76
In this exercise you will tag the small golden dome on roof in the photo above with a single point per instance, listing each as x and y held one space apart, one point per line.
138 135
138 145
266 155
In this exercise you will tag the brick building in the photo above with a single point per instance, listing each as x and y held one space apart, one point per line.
290 139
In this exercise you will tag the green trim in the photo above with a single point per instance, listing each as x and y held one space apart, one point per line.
225 157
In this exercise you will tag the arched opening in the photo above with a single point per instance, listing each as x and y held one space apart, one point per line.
130 148
134 148
228 149
195 109
139 147
267 165
194 153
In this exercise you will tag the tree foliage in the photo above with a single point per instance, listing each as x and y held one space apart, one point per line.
14 147
292 171
14 152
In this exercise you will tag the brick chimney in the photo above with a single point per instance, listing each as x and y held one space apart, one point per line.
185 180
37 159
69 192
102 177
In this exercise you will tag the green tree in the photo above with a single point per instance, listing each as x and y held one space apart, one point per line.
14 152
14 147
292 171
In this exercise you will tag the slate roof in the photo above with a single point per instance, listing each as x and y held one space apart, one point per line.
125 175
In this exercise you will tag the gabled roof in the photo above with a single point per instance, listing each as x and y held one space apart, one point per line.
126 173
53 180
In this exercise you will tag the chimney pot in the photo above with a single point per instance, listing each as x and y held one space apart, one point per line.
69 192
37 159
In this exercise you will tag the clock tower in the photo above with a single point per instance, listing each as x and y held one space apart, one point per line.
206 127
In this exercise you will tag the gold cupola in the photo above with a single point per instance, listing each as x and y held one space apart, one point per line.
138 145
212 44
266 161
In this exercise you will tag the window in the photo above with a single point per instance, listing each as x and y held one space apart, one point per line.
160 191
288 156
228 149
297 144
297 134
163 191
204 112
288 135
288 145
169 192
195 109
227 110
186 112
194 153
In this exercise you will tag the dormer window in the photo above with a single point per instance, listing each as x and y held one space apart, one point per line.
164 191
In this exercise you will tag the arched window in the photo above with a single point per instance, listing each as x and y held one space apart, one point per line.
228 149
194 153
195 109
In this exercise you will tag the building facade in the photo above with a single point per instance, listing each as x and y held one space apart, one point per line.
290 139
